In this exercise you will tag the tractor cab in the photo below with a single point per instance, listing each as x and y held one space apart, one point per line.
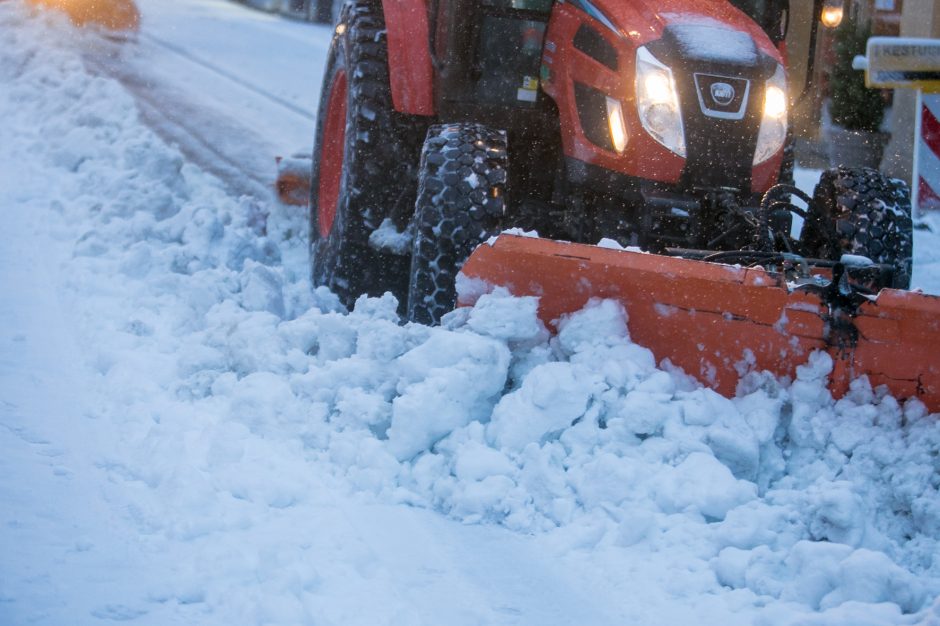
771 15
486 54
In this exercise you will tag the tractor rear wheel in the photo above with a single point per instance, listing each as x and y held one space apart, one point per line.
461 203
364 162
861 211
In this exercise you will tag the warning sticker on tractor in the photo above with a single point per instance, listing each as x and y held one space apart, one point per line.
529 90
895 62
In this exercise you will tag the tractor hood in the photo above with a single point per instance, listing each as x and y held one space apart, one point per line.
720 61
722 34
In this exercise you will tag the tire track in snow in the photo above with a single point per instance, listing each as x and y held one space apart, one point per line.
226 147
226 74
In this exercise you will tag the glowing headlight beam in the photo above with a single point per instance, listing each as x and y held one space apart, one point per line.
659 88
775 102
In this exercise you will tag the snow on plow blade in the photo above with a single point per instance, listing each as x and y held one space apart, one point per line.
709 319
117 15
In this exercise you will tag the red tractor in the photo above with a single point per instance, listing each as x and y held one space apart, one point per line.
660 124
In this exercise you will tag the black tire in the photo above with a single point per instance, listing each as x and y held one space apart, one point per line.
861 211
461 203
379 164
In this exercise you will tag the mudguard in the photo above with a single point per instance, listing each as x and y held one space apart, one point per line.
409 56
718 321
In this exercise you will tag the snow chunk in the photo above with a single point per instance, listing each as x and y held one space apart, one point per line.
867 576
470 289
550 399
855 260
387 238
610 244
702 484
261 289
599 323
503 316
447 382
837 513
646 412
476 461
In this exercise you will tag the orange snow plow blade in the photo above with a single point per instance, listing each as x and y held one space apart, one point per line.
293 180
710 319
118 15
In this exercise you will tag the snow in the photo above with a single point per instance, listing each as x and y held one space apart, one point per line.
856 260
708 39
191 435
387 237
515 232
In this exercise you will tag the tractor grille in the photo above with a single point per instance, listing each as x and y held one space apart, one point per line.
724 97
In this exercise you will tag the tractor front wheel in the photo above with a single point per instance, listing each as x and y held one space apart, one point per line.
461 203
860 211
364 162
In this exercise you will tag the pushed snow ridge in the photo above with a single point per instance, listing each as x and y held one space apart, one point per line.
249 453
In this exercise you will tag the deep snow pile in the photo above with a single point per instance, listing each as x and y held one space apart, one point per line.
227 390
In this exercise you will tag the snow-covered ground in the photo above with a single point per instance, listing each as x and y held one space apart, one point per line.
189 435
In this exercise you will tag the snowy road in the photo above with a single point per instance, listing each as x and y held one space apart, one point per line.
188 435
230 86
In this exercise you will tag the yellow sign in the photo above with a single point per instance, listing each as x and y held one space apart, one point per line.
899 62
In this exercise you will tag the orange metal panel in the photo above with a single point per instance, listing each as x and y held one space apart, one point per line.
293 181
409 56
119 15
710 319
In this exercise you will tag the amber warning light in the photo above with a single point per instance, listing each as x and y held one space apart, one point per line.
832 13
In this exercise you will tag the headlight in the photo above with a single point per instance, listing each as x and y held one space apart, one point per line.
658 102
773 125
